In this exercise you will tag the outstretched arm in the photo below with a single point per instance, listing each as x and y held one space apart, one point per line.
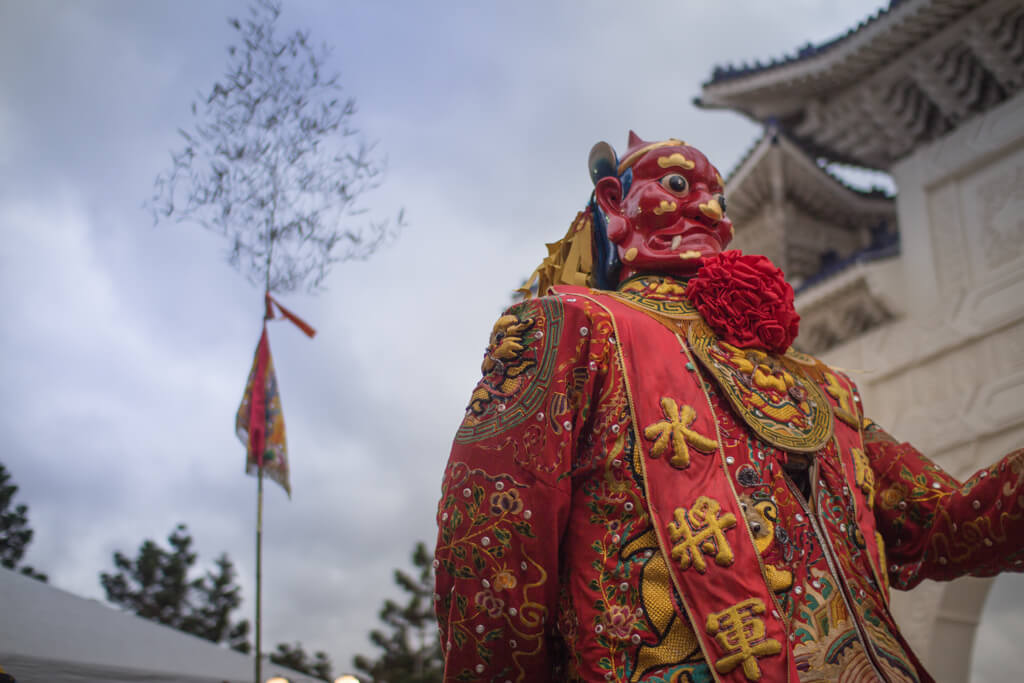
938 528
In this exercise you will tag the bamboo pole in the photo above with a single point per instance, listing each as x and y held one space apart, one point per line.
259 494
259 563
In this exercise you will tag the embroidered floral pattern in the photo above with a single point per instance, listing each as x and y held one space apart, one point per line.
619 622
506 501
483 529
614 592
938 528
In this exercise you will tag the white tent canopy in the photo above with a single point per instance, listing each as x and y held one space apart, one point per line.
51 636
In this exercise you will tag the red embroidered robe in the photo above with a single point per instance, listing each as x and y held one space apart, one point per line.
617 507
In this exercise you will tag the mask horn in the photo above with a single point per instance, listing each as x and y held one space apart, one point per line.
602 161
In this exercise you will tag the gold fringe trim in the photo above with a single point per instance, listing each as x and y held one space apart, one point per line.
569 260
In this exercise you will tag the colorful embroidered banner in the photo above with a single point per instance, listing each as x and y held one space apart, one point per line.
260 422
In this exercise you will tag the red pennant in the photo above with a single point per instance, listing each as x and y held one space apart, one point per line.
299 322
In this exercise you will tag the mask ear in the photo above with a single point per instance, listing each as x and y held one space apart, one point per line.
608 194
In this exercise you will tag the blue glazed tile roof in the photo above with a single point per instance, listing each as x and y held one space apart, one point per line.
728 72
883 245
774 133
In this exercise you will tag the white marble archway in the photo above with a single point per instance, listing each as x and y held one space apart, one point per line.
947 373
953 633
940 620
1000 632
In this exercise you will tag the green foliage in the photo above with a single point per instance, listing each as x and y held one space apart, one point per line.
294 657
411 651
156 585
15 534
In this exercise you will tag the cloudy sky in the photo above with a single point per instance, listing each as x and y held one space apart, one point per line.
125 346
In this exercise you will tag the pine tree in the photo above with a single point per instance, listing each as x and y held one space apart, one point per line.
156 585
15 533
295 657
411 651
218 597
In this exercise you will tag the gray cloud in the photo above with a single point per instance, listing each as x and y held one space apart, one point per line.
126 346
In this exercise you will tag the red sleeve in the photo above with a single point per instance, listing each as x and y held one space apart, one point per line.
938 528
506 493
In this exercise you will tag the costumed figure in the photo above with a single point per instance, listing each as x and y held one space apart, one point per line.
651 484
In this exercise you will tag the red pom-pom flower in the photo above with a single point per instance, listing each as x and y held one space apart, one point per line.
746 301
